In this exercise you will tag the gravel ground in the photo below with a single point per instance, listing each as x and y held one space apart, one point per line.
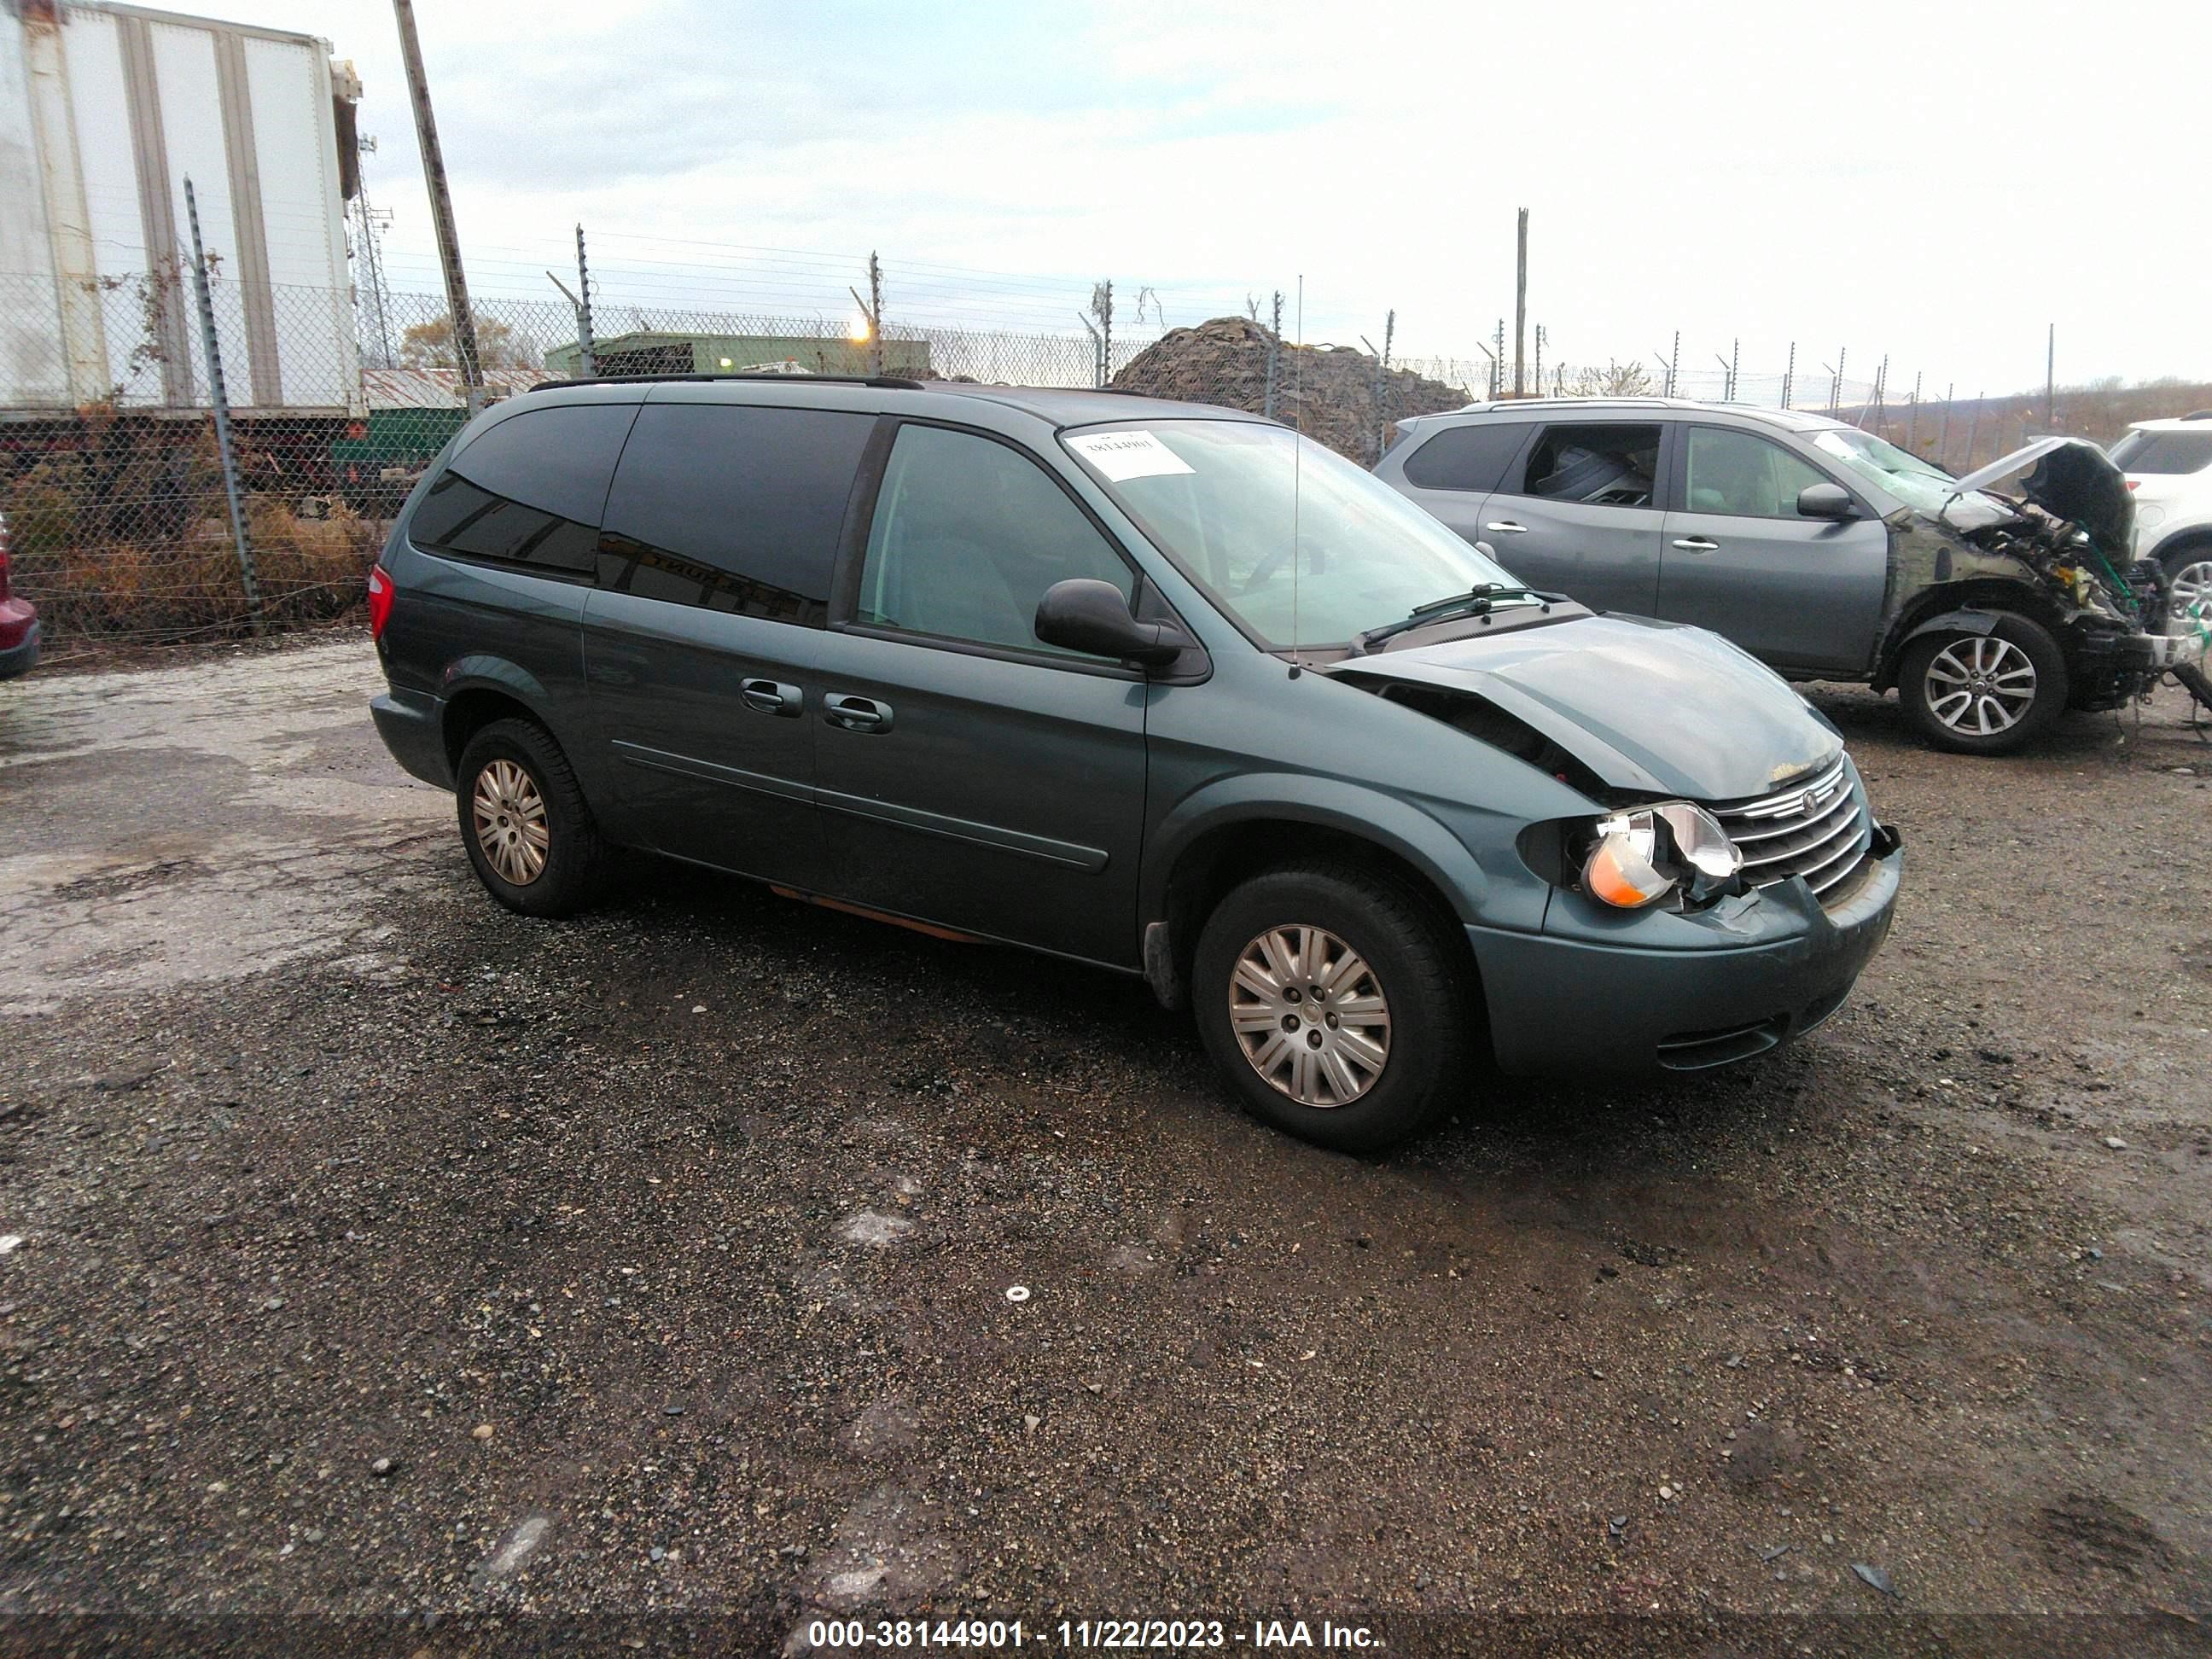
366 1250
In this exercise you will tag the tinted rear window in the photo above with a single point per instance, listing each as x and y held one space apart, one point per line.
527 490
732 508
2163 452
1472 456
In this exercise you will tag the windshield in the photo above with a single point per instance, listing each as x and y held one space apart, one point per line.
1219 498
1904 476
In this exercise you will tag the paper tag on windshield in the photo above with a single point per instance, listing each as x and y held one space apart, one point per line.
1122 455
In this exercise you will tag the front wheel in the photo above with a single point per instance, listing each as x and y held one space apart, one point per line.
1984 693
2189 581
1332 1001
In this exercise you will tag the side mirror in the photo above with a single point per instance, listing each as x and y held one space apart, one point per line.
1083 614
1827 501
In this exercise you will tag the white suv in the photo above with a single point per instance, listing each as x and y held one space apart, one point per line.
2168 465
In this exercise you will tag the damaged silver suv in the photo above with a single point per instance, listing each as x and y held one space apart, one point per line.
1160 688
1823 550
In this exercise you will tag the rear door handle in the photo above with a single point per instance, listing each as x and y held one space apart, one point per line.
856 713
772 697
1506 526
1697 545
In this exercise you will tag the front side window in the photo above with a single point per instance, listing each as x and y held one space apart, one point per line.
968 534
527 490
1744 476
1593 465
1301 547
732 507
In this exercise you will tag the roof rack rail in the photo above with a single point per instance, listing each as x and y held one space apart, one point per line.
892 382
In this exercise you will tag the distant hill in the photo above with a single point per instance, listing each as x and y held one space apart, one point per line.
1970 432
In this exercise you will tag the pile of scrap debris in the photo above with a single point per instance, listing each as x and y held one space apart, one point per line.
1328 392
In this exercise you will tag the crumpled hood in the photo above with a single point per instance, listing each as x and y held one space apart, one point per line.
1647 705
2070 478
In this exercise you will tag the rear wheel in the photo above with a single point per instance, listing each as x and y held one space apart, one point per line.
1984 693
529 833
1332 1000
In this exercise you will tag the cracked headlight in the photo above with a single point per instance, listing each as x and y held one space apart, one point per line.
1641 856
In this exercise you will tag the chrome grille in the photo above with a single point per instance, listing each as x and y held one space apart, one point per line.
1819 829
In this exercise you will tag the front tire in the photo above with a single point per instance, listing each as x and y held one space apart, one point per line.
2188 579
1333 1002
1984 694
529 833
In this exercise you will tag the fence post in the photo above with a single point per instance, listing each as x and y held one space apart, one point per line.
875 316
1973 431
1382 383
220 399
1912 412
1790 374
585 351
1943 439
1274 354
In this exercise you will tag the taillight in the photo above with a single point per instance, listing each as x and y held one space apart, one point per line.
379 601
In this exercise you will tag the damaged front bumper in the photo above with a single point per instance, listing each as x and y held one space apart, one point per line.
1673 991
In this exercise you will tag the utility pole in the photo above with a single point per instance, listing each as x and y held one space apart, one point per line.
442 211
1520 301
2051 379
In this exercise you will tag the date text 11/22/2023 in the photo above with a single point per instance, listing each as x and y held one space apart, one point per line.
1086 1635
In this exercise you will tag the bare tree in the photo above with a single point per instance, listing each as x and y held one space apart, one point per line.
1615 380
430 345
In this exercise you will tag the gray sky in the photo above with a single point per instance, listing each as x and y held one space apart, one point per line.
1937 181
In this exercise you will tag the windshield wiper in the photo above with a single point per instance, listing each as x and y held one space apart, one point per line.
1475 602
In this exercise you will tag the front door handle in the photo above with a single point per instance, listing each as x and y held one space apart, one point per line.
1506 526
1697 545
772 697
856 713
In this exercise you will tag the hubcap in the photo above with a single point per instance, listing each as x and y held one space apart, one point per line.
1310 1016
510 820
2193 585
1980 685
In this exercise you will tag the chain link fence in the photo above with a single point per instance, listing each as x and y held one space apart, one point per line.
113 481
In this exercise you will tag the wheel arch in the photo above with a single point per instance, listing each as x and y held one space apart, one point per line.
1969 607
1200 855
478 691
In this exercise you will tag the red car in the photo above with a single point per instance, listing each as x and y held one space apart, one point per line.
19 621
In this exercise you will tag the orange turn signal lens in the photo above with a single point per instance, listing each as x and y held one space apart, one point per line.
1619 871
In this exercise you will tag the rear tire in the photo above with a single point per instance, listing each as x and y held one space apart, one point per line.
1381 1052
1984 694
530 836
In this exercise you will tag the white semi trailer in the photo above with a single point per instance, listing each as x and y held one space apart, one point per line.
105 110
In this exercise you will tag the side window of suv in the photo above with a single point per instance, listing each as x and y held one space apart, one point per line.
1744 474
969 533
732 507
1593 465
527 490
